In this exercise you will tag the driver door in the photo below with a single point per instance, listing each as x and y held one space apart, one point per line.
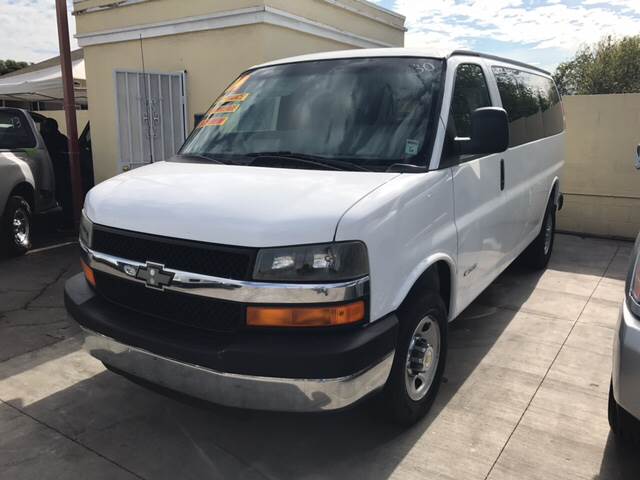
479 208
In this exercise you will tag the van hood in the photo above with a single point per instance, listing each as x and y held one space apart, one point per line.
232 205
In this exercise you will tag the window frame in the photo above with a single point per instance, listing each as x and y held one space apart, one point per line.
446 160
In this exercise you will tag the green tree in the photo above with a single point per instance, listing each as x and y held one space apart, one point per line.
610 66
8 66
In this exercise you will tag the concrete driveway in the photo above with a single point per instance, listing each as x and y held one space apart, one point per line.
525 394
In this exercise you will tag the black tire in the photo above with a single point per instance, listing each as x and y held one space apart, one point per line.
17 239
623 425
397 403
538 253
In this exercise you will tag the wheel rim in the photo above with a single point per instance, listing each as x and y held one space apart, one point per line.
21 227
548 234
423 357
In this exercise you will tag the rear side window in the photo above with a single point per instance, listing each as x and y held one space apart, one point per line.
470 92
532 104
15 131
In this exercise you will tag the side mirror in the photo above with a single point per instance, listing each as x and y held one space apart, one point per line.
489 133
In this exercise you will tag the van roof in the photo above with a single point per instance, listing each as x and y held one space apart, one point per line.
393 52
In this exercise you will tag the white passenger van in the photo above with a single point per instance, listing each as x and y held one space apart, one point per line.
320 227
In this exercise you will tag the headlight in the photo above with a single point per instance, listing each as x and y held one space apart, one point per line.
329 262
86 231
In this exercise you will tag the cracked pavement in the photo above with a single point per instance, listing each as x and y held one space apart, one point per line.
525 394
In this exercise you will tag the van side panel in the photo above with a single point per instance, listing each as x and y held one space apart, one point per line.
534 168
407 225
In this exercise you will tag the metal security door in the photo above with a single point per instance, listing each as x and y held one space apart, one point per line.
151 116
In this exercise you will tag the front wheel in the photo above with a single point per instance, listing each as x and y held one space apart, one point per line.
17 226
419 360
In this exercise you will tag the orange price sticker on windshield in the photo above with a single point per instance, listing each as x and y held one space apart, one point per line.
226 109
238 83
235 97
213 122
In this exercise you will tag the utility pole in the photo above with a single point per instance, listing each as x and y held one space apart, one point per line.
69 108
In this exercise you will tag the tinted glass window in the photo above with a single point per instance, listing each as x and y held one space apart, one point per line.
532 103
469 93
370 111
15 131
552 116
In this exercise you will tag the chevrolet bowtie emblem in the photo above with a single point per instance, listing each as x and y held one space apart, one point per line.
154 275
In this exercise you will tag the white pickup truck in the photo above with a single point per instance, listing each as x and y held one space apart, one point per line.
27 182
320 227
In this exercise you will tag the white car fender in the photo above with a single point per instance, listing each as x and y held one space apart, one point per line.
407 224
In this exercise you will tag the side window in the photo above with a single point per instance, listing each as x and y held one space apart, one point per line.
15 131
552 116
531 89
532 104
507 81
470 92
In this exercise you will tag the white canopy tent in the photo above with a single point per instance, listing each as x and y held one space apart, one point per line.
43 84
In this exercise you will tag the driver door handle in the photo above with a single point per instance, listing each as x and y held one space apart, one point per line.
501 174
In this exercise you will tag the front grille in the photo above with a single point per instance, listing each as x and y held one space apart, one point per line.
190 310
189 256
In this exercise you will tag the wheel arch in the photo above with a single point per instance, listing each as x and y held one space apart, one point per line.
25 190
437 270
554 192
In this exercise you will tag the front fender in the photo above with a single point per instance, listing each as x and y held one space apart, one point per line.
13 171
407 225
421 269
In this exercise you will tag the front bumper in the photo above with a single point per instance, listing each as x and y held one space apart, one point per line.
626 362
244 391
265 370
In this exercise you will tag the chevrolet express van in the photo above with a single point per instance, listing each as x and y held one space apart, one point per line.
320 227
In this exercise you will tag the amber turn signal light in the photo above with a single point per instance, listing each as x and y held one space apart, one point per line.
305 316
88 273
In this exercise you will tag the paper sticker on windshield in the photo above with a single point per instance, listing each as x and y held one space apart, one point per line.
411 147
238 83
235 97
226 109
213 122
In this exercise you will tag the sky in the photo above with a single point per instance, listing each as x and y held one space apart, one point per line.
29 31
540 32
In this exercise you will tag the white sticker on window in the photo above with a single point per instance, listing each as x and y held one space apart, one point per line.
411 147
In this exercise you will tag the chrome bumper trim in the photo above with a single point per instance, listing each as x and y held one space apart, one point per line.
235 290
234 390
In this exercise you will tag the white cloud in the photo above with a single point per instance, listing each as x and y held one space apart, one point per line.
29 29
448 23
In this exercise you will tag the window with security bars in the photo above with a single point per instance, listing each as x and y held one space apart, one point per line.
151 116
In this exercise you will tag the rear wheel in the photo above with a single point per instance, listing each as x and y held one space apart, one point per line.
537 254
17 226
419 359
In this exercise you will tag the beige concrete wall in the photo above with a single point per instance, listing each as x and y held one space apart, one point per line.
600 182
82 117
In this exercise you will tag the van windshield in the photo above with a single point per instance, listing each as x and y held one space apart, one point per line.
367 113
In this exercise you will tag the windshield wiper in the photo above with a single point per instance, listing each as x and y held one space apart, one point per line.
305 158
406 168
201 156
